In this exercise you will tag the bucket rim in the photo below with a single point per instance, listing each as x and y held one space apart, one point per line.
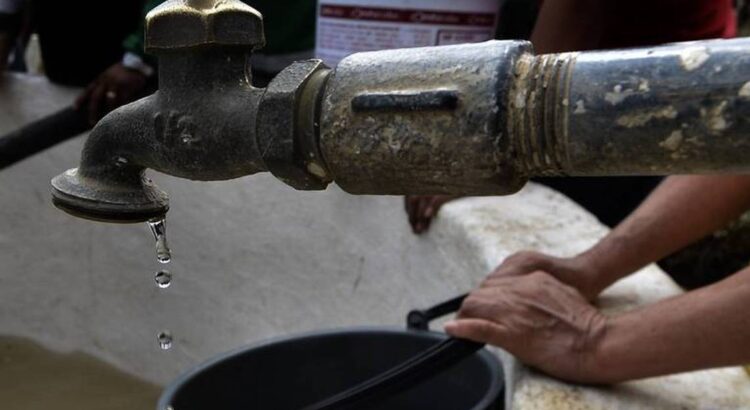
494 391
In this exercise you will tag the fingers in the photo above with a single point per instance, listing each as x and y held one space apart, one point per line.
429 208
416 207
423 209
407 204
97 103
478 330
423 218
410 203
114 87
521 263
83 98
536 318
112 99
121 95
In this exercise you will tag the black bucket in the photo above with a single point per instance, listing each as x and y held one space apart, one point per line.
293 373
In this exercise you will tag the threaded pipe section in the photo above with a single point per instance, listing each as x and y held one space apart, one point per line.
540 106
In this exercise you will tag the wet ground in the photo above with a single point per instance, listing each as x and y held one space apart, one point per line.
34 378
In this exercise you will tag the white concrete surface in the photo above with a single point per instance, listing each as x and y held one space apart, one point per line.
255 259
540 219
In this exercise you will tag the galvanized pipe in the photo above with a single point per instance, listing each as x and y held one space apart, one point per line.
482 119
677 109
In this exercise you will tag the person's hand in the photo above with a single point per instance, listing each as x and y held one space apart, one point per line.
544 323
576 271
421 210
116 86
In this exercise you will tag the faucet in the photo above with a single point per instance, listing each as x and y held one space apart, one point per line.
473 119
199 125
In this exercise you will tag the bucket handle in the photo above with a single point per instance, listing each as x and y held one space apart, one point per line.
419 319
417 369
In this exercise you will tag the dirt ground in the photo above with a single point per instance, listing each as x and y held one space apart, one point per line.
33 378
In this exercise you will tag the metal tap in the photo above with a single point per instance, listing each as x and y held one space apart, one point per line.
475 119
199 125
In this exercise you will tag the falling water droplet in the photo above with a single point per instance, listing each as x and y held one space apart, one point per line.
165 340
159 229
163 279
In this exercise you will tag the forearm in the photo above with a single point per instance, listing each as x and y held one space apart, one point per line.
680 211
703 329
568 25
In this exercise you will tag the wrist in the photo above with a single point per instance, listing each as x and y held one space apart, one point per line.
594 278
605 263
626 351
134 62
603 362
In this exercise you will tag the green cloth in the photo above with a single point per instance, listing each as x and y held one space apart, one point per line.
289 25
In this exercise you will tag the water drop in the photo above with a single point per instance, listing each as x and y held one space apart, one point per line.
165 340
163 279
159 229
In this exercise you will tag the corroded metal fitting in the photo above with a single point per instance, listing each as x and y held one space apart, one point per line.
287 129
422 121
192 23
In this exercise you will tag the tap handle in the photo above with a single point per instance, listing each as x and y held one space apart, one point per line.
180 24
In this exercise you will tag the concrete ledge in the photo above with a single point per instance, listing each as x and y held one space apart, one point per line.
489 229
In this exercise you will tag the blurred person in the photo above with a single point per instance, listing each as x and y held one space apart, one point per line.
109 58
79 40
290 36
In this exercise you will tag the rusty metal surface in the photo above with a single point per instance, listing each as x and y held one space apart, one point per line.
538 114
422 121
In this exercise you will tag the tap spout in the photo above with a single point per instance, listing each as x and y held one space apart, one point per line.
110 184
199 126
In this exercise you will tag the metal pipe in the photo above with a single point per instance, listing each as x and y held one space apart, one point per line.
681 108
473 119
482 119
423 121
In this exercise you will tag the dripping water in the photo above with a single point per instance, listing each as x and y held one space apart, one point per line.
163 278
159 229
165 340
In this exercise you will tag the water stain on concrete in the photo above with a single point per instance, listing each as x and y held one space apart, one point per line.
34 378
